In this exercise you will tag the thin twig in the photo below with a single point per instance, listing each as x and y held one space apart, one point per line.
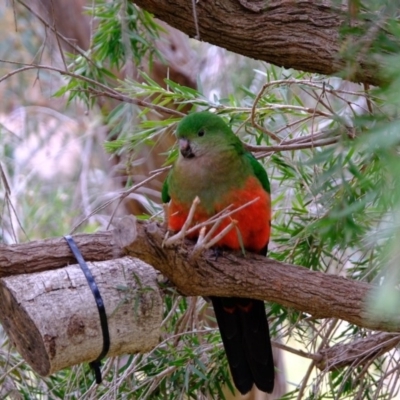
301 353
122 195
294 123
309 110
196 22
54 30
311 84
113 94
109 92
258 126
309 145
312 111
168 241
58 37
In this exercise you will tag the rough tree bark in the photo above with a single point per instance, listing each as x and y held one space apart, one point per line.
302 34
55 323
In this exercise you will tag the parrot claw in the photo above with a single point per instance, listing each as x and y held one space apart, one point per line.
205 242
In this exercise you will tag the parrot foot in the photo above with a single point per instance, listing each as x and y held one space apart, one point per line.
206 241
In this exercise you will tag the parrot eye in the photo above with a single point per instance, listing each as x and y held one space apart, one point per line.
200 133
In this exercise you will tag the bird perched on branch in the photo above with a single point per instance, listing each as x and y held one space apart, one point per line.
214 166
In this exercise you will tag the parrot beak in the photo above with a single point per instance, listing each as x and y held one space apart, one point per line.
185 149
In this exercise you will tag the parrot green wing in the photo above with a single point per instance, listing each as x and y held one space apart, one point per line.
259 172
258 169
165 197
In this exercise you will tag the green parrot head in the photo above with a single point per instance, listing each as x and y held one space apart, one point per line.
205 133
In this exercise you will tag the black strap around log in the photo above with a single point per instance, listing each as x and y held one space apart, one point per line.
96 364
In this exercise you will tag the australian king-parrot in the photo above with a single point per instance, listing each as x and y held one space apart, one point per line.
214 165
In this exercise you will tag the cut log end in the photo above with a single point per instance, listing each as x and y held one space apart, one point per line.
23 333
55 324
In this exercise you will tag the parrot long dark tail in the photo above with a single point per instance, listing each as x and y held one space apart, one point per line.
244 330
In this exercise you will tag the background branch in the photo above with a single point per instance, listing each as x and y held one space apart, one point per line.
358 352
304 35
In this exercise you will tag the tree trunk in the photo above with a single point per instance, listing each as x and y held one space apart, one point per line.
53 321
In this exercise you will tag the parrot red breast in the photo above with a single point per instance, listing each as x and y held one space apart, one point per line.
214 165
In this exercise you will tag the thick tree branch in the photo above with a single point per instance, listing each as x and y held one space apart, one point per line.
318 294
303 34
44 255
